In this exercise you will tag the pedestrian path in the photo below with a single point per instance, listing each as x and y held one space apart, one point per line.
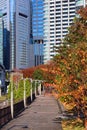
40 115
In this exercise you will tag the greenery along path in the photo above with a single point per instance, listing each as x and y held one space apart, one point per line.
40 115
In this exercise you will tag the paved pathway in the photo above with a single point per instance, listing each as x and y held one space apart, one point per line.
40 115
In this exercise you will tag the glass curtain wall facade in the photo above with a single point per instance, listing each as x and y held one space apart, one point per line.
16 17
22 40
58 16
4 8
12 33
37 30
1 39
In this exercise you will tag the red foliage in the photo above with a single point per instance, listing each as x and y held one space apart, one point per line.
29 71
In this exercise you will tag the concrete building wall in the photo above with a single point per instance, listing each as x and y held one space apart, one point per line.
58 16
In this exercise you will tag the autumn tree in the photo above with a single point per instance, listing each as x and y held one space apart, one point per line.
78 30
38 74
70 66
71 76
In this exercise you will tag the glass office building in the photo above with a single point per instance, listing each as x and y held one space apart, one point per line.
37 30
58 16
1 39
4 8
17 48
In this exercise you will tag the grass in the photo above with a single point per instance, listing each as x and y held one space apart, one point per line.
74 124
3 98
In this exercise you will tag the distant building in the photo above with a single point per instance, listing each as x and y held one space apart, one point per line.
37 30
1 39
58 16
17 47
2 76
80 3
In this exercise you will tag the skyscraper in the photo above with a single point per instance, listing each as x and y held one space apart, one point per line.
37 30
80 3
16 17
58 16
1 39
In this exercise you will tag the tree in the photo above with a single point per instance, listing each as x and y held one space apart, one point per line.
78 30
71 76
17 84
70 66
38 74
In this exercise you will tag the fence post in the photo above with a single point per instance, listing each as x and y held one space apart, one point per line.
35 89
0 92
0 88
43 90
12 107
24 93
39 89
31 90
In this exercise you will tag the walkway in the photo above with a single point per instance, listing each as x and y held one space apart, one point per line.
40 115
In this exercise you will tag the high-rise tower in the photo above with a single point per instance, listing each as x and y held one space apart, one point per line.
37 30
80 3
1 39
16 17
58 16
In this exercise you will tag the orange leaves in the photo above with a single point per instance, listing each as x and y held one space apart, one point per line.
78 31
16 76
29 71
70 69
80 88
76 81
70 65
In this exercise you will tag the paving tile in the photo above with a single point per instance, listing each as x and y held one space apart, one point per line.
40 115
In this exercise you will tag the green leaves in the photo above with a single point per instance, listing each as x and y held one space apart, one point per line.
78 31
38 74
18 89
